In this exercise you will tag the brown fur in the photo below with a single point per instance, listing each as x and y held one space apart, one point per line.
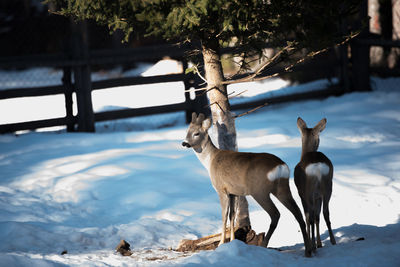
239 174
314 191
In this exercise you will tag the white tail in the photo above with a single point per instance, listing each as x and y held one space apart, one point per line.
239 174
318 169
313 178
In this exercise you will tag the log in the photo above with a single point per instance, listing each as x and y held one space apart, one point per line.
211 242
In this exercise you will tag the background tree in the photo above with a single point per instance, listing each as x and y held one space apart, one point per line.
245 25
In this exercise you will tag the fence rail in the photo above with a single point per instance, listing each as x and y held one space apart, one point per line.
74 69
78 67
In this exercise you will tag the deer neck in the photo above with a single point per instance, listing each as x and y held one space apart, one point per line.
305 151
206 152
302 155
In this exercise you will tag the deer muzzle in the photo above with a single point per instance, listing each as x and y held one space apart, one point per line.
186 144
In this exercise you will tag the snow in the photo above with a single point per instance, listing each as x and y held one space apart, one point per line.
103 100
82 193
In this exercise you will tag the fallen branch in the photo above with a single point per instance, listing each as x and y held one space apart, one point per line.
211 242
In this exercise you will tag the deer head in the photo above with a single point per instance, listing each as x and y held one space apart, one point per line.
197 134
310 136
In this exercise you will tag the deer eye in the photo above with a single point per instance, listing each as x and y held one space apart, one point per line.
196 134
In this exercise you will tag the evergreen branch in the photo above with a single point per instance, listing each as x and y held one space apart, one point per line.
250 77
309 55
253 77
315 53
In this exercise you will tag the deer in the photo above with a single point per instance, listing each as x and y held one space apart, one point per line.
313 179
234 174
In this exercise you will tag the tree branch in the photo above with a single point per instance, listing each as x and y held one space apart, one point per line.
262 67
253 77
250 111
199 74
216 103
238 94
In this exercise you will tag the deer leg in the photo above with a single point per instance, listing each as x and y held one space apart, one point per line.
306 208
285 197
317 213
312 216
304 204
319 243
312 226
267 204
307 216
232 214
224 200
327 220
242 219
308 224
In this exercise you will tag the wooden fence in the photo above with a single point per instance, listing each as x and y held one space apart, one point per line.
83 86
78 69
352 72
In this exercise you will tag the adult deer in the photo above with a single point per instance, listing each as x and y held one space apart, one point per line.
240 174
313 179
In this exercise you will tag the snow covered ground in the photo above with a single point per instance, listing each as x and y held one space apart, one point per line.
83 193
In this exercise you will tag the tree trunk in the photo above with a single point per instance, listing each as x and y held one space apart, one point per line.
224 131
224 125
394 57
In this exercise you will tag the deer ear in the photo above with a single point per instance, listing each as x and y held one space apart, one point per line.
194 117
301 124
206 124
200 118
320 125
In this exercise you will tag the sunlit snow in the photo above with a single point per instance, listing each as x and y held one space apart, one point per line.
83 193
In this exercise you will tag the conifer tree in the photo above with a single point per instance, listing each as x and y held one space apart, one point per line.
248 24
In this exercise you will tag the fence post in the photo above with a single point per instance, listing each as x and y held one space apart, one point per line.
83 84
344 59
67 82
360 53
188 84
200 101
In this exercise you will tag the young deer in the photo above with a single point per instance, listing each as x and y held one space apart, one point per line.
313 179
239 174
